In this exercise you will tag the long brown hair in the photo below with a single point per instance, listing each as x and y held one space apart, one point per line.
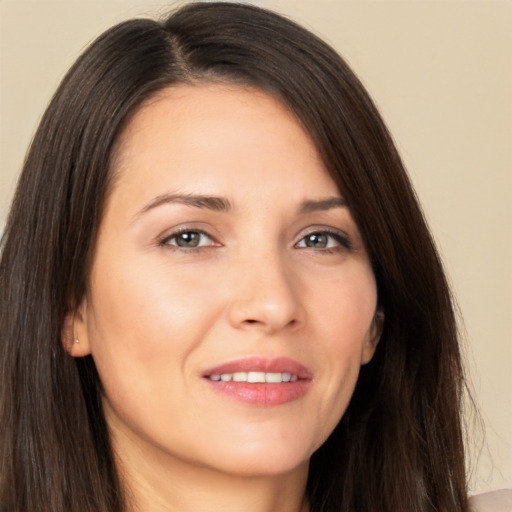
399 445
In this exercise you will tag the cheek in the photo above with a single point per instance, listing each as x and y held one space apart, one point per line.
148 305
344 320
143 324
346 310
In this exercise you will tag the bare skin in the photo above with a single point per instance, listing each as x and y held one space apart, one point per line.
224 244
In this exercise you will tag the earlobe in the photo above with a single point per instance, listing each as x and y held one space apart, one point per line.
373 339
74 336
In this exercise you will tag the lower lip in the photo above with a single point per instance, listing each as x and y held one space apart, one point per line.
263 394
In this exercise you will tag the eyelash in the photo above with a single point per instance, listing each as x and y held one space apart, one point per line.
165 241
342 240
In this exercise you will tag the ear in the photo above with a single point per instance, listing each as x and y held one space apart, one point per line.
75 332
373 338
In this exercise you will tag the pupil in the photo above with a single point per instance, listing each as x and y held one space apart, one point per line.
189 239
316 240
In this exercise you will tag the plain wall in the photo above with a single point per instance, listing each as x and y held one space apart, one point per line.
441 73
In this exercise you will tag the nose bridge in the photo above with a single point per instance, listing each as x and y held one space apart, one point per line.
265 295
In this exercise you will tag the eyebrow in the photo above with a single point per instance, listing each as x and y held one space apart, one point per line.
311 206
221 204
218 204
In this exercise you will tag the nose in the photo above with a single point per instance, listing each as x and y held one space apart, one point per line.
265 296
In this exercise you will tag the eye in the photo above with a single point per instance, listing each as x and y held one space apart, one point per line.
324 240
188 239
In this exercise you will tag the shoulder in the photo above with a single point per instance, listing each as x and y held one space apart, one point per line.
494 501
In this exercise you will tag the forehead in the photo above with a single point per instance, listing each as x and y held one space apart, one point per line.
206 109
204 133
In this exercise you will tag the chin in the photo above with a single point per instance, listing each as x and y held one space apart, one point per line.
260 461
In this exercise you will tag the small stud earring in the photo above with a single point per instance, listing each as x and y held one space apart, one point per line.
76 340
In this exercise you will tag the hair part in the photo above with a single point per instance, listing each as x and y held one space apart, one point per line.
399 445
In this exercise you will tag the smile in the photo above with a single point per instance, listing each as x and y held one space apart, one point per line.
255 377
260 381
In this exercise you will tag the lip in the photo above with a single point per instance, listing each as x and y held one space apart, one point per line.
261 364
262 394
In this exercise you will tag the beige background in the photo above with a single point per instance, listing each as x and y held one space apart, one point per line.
441 72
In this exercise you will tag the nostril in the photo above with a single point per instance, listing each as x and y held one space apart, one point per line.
262 312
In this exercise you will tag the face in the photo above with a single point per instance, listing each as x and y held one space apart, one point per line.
231 301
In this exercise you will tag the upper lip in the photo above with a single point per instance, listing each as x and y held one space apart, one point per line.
261 364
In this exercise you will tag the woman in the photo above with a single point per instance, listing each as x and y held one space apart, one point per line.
218 290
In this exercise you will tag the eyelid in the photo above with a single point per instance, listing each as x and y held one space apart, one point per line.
164 239
342 237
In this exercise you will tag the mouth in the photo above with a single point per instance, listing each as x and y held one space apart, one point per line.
255 377
260 381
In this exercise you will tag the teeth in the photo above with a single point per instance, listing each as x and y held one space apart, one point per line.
273 377
255 377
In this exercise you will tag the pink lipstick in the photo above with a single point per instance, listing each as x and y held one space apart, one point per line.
260 381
